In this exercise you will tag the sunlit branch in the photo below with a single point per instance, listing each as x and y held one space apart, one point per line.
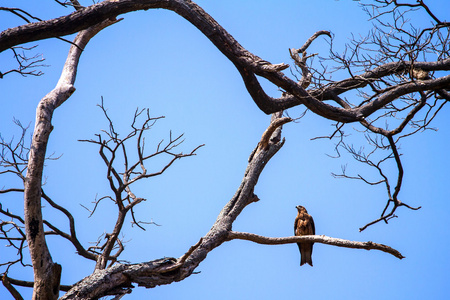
313 238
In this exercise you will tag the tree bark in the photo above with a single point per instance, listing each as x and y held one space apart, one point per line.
118 279
47 273
88 21
249 65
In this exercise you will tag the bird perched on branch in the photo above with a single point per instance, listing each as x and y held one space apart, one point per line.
304 225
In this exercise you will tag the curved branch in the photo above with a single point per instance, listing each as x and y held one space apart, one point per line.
399 167
248 64
118 278
232 235
264 143
46 272
385 217
73 235
7 284
311 39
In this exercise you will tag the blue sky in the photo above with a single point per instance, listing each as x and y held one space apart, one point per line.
157 60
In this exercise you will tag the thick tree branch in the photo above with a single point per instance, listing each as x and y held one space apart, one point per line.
248 64
264 143
46 272
118 279
396 74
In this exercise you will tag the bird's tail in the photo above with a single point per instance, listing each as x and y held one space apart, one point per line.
306 259
305 255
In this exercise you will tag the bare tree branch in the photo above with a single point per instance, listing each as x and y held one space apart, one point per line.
248 64
46 272
395 81
121 175
232 235
72 237
10 288
119 278
30 284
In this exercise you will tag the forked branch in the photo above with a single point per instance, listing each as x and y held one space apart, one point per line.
168 270
122 173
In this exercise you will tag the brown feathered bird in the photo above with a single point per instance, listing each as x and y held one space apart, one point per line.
304 225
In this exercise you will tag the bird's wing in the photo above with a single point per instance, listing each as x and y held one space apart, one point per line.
313 226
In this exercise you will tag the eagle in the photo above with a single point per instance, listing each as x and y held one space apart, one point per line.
304 225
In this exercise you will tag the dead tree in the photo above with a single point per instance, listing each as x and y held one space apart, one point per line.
396 75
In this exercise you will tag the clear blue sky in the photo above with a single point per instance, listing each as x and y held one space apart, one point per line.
157 60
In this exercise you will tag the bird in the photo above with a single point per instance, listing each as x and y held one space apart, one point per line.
304 225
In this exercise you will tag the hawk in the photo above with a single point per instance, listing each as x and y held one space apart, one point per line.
304 225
